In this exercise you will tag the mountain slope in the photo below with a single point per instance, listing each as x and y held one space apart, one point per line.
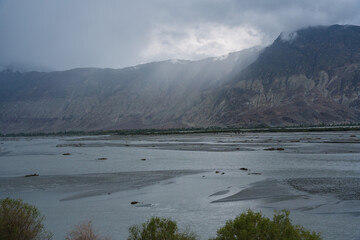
153 95
311 77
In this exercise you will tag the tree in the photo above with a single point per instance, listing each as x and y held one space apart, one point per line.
159 229
21 221
84 231
254 226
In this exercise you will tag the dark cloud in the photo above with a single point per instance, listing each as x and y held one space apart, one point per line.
62 34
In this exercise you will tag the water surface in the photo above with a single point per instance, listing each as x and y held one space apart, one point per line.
194 179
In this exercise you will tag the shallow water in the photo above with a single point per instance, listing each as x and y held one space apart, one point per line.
300 178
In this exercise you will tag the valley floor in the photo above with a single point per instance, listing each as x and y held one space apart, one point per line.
199 180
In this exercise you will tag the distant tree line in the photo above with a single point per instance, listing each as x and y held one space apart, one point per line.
213 129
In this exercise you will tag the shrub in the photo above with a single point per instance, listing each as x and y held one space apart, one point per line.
84 231
252 226
21 221
159 229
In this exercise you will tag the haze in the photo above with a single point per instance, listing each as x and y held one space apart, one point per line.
59 35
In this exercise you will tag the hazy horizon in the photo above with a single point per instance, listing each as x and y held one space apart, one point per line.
29 68
62 35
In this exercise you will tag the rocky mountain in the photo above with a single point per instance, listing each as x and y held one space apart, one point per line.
154 95
310 76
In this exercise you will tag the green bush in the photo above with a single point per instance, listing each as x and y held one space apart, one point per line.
21 221
253 226
159 229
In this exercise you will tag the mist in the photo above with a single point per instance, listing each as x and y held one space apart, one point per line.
59 35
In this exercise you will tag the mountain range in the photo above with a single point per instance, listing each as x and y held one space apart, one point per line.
310 76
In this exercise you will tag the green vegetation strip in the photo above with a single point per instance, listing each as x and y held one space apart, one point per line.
316 128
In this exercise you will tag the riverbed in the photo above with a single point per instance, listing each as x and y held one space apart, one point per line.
199 180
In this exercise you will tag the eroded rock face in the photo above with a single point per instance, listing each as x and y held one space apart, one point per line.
311 78
154 95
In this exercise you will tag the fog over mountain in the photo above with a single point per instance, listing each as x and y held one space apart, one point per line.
310 76
154 95
67 34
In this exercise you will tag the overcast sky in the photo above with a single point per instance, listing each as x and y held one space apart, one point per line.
64 34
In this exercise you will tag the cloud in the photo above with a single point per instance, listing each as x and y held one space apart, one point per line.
196 42
63 34
288 36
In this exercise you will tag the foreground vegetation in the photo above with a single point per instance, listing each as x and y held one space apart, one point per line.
159 229
84 231
21 221
254 226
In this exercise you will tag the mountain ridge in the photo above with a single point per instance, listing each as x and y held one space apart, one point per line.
312 79
310 76
153 95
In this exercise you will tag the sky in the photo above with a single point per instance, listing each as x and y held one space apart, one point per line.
65 34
